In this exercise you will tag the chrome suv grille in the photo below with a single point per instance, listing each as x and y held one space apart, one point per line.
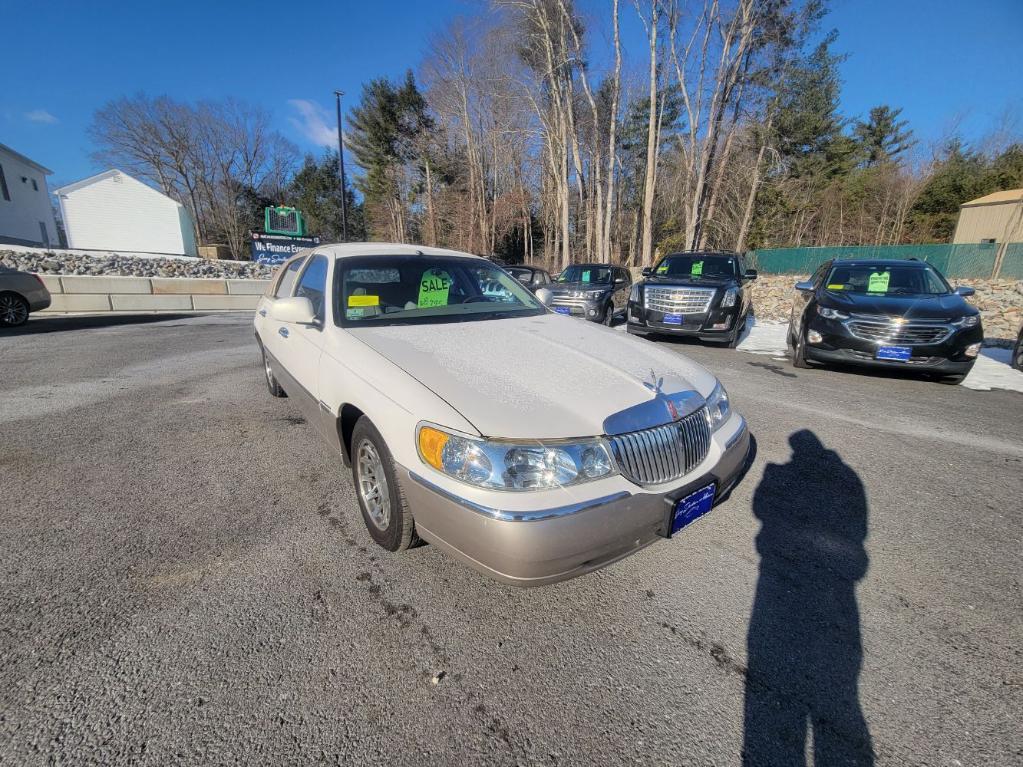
678 300
888 330
663 453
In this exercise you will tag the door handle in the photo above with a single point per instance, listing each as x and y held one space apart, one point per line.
283 332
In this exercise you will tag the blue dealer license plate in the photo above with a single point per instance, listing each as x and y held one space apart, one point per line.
672 319
562 310
897 353
689 509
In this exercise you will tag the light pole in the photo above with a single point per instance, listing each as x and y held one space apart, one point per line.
341 168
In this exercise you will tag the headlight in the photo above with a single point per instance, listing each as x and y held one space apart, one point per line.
717 408
968 321
831 314
730 297
634 294
594 295
499 465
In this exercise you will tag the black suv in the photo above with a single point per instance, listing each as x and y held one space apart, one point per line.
594 291
701 293
886 313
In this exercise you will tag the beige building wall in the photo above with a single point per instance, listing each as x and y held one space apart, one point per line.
1000 221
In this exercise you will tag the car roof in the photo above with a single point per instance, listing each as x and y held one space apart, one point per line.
363 249
879 262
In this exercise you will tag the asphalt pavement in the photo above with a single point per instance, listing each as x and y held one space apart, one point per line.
185 579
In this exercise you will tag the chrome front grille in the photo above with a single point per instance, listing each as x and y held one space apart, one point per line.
910 333
663 453
678 300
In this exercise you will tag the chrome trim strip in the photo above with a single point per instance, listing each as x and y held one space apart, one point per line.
519 516
654 412
738 434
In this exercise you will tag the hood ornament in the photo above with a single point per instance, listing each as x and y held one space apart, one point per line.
654 385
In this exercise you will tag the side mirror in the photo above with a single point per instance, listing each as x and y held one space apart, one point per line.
965 291
545 296
647 271
751 274
805 286
297 310
619 280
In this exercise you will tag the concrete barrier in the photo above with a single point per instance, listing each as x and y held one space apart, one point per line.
81 293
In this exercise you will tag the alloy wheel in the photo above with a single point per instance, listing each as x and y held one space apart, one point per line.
372 481
13 310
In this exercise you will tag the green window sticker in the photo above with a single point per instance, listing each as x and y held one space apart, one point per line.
433 288
662 269
586 276
878 282
697 268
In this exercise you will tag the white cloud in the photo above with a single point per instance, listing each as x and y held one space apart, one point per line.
40 116
313 122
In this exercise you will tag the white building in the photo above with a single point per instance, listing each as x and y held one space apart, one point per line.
26 215
113 211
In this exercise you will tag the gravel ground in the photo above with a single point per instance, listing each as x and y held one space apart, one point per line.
186 579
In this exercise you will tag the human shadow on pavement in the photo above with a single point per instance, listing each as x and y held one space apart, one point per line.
804 644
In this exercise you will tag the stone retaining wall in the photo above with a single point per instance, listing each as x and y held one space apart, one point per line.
75 293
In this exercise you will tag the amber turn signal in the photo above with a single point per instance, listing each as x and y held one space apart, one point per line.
431 445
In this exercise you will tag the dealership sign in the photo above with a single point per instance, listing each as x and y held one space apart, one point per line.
275 249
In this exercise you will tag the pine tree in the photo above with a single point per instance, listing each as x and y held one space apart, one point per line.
883 137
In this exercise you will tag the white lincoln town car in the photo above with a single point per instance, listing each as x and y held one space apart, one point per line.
530 445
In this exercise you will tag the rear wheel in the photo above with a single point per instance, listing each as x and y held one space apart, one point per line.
381 500
13 310
1017 353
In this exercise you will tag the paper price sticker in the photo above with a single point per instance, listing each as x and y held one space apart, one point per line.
433 288
697 268
878 282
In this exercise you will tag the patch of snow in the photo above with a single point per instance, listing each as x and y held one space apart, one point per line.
992 371
764 338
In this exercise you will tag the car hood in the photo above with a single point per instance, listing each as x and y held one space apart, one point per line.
943 307
558 287
710 282
543 377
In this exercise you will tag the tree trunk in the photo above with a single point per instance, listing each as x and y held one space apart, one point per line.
651 144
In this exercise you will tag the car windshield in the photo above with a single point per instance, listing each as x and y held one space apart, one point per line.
698 266
586 273
886 280
522 275
386 290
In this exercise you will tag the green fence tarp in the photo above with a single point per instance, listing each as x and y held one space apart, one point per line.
954 261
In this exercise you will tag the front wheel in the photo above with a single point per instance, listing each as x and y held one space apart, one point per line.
609 313
276 390
736 336
1017 354
381 501
13 310
797 351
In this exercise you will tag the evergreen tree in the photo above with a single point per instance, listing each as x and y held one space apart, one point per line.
883 137
314 191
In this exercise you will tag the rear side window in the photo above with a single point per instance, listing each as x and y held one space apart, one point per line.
3 185
287 282
313 285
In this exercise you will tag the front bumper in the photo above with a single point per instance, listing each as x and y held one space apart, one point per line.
839 346
584 308
554 544
713 325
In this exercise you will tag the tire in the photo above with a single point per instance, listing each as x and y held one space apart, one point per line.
797 352
272 384
384 509
13 310
1017 354
609 315
736 336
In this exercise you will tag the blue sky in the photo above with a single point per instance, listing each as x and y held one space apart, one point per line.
945 62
